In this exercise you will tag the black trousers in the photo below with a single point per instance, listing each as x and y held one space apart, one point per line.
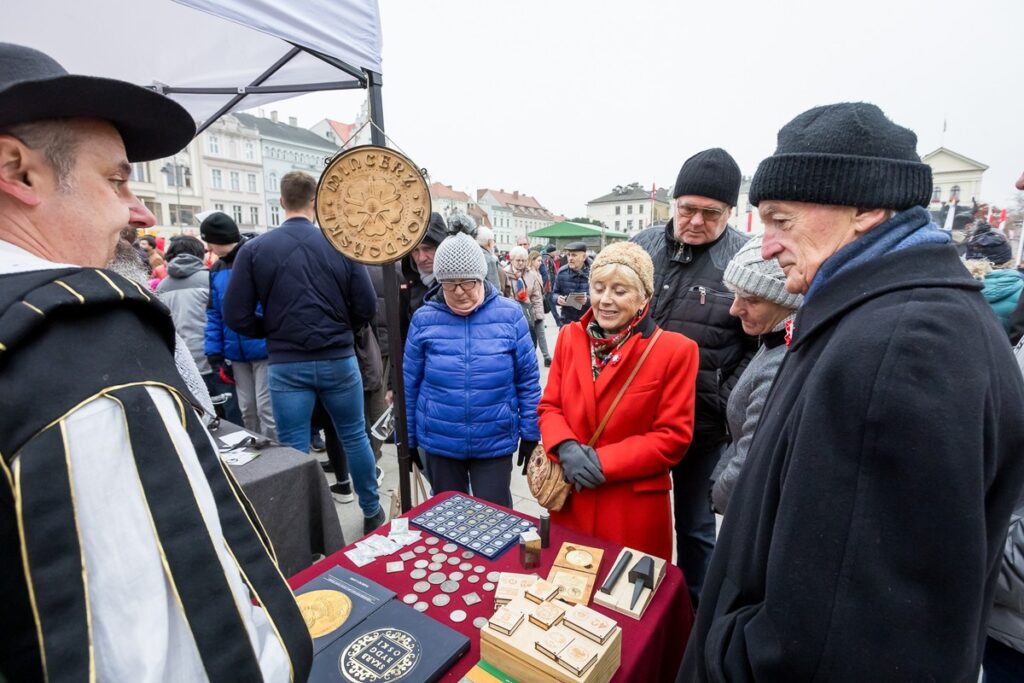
486 478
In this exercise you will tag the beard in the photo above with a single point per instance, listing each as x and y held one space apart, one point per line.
126 261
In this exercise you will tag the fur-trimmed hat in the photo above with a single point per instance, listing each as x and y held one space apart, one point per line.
633 256
748 273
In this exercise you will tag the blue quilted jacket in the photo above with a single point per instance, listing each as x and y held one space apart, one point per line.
221 340
471 383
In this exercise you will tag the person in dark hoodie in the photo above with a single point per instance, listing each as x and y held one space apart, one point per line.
878 488
247 356
186 291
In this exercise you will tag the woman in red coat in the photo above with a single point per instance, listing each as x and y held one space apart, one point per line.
622 485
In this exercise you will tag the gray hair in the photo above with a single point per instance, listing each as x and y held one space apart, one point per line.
484 235
55 139
518 252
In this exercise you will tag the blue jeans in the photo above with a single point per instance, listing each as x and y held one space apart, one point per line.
294 388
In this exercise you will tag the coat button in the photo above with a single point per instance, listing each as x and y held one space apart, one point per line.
664 287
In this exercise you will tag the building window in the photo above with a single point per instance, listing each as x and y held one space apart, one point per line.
629 209
140 172
213 144
177 175
273 182
250 151
629 225
618 210
182 215
275 215
236 212
640 223
639 208
154 208
218 207
236 181
216 178
616 222
254 215
252 182
936 194
954 194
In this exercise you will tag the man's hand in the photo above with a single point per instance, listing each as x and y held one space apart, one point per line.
389 397
581 465
560 300
525 450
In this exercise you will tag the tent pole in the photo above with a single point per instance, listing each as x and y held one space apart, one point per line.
392 304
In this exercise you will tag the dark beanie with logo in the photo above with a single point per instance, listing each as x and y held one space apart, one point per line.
219 228
712 173
846 154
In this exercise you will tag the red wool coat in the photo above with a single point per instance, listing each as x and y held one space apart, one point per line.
649 432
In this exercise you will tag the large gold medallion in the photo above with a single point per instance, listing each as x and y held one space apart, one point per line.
373 204
324 611
380 656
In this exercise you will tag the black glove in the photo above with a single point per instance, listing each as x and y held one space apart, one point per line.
580 465
215 361
525 450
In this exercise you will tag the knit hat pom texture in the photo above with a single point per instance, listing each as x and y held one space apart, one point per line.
459 257
749 273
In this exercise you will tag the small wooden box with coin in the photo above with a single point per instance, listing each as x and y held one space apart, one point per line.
534 642
575 572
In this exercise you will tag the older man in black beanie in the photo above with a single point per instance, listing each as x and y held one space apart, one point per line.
878 487
690 254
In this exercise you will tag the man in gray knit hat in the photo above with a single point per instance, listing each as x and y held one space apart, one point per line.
864 539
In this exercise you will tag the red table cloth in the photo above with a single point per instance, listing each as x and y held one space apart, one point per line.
651 647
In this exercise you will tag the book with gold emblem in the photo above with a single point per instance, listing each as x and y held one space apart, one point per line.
335 601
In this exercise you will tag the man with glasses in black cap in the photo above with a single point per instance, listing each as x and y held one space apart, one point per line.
690 254
125 552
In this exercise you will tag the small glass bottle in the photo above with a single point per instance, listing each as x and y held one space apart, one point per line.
545 528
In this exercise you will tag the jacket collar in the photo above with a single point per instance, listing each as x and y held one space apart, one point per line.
927 265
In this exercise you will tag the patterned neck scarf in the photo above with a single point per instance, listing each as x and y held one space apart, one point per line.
604 348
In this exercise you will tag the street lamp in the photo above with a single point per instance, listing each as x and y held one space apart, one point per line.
179 172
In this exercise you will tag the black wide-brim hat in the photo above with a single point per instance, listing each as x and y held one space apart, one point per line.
34 87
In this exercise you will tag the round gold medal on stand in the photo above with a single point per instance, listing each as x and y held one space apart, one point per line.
373 204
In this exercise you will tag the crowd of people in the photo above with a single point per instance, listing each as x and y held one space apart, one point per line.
842 389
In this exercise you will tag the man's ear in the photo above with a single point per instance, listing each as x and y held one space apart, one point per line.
866 219
20 170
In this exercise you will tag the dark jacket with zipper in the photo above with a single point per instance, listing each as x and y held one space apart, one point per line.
689 298
877 489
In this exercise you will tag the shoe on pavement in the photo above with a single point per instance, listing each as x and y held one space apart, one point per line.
380 477
370 524
342 492
316 442
327 466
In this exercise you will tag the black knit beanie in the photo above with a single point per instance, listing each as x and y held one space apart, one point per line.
712 174
846 154
990 246
218 228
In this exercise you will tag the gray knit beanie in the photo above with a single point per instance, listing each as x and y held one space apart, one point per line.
459 257
748 273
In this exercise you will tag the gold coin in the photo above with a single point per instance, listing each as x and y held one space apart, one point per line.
579 558
324 611
373 204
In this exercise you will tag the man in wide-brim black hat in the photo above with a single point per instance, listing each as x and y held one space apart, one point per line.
125 553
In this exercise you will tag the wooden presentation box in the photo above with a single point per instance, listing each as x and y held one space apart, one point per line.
517 656
622 592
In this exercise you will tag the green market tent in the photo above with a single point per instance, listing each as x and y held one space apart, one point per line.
561 234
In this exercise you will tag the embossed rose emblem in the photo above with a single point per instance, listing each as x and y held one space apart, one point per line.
373 206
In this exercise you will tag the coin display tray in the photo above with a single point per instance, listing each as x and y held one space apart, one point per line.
474 525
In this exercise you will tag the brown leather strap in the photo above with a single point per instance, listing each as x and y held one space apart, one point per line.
622 391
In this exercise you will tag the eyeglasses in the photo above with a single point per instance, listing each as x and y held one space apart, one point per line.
463 285
709 213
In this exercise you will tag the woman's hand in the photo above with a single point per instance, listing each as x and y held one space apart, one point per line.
580 465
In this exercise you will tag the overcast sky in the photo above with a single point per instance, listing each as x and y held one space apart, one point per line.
564 99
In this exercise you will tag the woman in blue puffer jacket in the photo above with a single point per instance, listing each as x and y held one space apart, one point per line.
471 378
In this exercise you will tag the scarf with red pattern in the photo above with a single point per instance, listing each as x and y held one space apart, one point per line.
604 349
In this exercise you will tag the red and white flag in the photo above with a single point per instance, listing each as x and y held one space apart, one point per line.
1002 220
654 191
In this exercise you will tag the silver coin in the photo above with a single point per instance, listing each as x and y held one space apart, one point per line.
471 598
479 569
436 578
480 622
468 554
419 549
432 551
450 547
465 567
440 600
434 566
488 586
417 574
420 564
420 606
458 616
456 576
473 578
410 598
493 576
450 586
431 540
453 561
440 557
421 586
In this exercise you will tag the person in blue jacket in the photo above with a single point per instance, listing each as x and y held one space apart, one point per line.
471 378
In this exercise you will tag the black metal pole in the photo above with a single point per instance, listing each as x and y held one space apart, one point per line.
392 305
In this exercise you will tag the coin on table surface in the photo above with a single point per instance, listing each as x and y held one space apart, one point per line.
488 586
456 576
458 616
471 598
453 561
468 554
432 540
480 622
420 549
410 598
449 586
493 576
420 564
324 610
420 606
432 551
434 566
440 557
440 600
465 566
421 586
473 578
437 578
579 558
408 555
417 574
479 569
450 547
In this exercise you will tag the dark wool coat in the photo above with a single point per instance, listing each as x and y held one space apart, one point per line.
865 532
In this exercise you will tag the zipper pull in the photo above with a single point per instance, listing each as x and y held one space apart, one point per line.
703 295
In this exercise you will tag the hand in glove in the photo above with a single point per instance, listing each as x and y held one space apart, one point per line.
215 361
525 450
580 465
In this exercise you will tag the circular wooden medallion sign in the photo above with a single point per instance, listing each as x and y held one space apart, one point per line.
373 204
